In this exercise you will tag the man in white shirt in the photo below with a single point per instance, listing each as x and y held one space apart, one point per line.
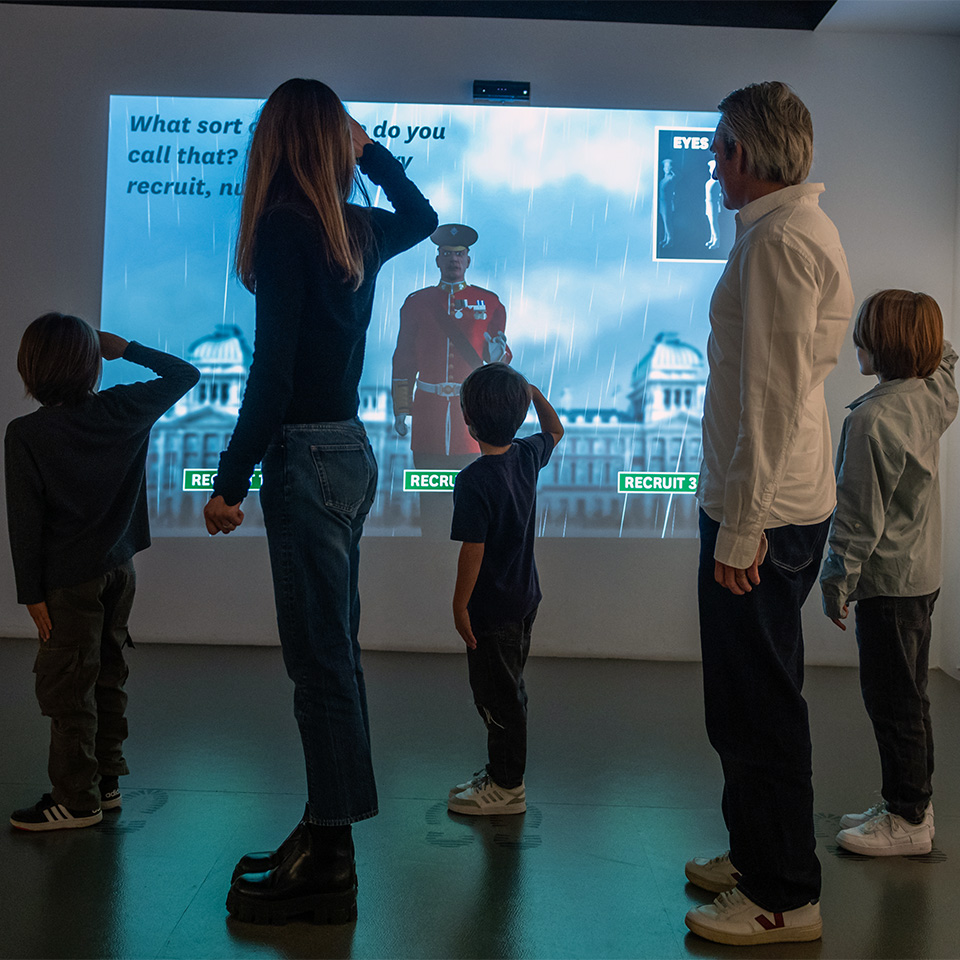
778 318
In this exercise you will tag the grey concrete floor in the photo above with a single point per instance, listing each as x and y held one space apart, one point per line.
622 788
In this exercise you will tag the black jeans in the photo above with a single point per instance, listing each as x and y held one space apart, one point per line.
756 716
893 634
496 678
80 674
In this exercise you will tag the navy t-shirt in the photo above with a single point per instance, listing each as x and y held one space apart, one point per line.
495 503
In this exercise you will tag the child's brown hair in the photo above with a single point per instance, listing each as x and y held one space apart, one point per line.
495 399
903 333
59 359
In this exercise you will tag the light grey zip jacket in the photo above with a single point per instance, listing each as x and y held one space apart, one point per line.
885 535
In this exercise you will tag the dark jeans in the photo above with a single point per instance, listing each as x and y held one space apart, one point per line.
319 480
757 718
80 675
496 678
893 634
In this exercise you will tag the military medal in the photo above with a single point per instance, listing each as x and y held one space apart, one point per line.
479 309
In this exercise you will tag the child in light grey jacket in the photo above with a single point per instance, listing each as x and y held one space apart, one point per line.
884 553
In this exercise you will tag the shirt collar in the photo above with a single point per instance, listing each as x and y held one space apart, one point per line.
453 287
756 209
904 385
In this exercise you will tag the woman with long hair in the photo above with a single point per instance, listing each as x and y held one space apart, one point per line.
311 258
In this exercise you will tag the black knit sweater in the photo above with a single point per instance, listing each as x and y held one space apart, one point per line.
76 487
311 326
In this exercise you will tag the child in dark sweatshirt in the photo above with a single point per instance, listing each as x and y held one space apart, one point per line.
77 513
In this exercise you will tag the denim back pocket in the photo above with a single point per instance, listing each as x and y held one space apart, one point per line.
345 470
794 547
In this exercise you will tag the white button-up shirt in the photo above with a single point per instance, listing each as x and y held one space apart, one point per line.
778 317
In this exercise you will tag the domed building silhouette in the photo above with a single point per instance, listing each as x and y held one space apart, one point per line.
669 382
196 429
659 432
192 434
223 359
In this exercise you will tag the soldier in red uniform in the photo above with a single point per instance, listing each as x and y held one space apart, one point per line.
445 332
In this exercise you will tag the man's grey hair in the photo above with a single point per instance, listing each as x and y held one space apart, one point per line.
774 129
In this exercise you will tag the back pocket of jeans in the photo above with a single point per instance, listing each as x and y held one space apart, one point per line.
794 547
345 471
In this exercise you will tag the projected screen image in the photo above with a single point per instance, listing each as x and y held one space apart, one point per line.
596 238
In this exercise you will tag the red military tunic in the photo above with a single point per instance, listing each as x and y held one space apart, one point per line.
426 358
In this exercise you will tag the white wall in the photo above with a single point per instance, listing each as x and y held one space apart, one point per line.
886 121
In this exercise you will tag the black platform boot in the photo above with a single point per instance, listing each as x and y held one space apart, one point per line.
315 878
268 859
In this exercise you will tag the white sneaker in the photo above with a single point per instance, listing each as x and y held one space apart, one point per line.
715 875
855 819
732 918
460 787
486 798
887 835
849 820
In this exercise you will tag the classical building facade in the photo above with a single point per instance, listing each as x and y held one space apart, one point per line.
658 431
194 431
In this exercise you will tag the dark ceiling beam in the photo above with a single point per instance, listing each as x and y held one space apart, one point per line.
771 14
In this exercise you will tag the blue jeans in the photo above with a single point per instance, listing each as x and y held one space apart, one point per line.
319 480
893 634
496 678
756 716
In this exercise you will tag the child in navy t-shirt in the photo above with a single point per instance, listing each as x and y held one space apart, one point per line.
498 592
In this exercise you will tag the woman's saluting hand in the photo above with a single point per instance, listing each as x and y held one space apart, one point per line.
359 135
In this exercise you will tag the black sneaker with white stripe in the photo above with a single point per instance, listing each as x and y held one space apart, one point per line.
110 796
50 815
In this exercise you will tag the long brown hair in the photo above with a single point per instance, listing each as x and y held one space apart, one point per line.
302 150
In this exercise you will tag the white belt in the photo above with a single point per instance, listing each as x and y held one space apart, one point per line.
441 389
448 390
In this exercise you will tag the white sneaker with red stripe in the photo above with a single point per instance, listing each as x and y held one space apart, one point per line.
715 875
486 798
50 815
732 918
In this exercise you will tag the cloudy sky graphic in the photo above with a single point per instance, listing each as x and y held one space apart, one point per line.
564 202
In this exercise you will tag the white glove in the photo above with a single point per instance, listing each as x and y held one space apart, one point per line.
400 424
496 346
